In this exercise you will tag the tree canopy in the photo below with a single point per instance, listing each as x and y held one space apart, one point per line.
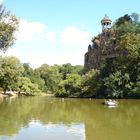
8 26
117 77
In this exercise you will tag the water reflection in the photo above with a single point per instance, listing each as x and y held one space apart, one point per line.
38 131
71 119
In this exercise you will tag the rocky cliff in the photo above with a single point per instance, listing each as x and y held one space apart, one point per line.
103 46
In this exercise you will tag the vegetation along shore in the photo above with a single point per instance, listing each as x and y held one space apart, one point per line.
115 74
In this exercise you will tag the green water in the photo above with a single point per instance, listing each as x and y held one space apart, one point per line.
43 118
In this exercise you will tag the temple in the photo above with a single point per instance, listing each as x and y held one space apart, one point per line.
103 46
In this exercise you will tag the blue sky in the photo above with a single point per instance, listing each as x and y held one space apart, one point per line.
59 31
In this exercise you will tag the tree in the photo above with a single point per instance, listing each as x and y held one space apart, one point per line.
130 42
136 88
33 75
10 70
117 85
119 77
43 71
8 26
122 20
135 19
51 77
26 87
66 69
70 87
36 79
89 85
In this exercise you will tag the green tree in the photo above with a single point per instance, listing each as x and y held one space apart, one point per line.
119 77
118 85
8 26
89 85
70 87
33 75
43 71
66 69
26 87
130 42
51 77
10 70
122 20
135 19
78 69
135 92
36 79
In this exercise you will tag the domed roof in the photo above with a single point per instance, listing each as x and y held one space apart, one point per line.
106 20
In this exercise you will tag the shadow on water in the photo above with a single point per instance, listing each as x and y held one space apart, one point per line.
88 118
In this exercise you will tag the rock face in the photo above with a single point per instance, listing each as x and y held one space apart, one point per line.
103 46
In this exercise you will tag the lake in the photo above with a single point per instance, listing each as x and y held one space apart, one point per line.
45 118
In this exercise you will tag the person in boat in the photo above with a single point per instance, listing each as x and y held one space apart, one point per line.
110 102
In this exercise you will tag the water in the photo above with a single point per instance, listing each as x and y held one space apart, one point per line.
43 118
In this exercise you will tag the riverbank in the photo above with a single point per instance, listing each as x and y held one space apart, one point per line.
16 95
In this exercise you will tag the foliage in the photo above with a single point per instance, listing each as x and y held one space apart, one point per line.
50 76
33 75
122 20
117 85
119 77
53 78
8 26
26 87
66 69
12 77
10 70
43 71
70 87
130 42
89 85
116 77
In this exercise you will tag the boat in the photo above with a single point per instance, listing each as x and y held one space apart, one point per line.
111 102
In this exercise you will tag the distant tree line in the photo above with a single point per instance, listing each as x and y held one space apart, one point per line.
60 80
115 78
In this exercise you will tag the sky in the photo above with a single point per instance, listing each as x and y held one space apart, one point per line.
59 31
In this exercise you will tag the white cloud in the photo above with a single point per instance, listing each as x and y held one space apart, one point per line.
1 1
51 36
72 36
12 52
37 45
29 31
33 59
77 129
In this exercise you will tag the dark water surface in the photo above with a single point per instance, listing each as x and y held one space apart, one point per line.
43 118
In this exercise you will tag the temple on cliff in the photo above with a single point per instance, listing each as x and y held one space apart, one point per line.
103 46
